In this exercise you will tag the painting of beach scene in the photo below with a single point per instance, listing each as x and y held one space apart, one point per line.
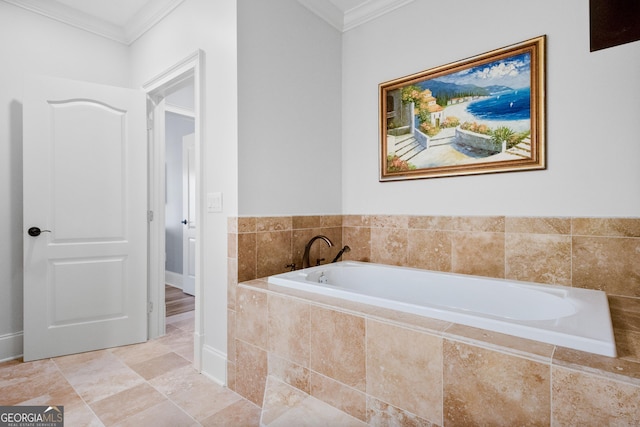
480 115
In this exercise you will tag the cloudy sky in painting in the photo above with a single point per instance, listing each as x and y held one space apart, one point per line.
514 72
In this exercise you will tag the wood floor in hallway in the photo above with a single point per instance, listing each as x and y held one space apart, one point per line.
176 301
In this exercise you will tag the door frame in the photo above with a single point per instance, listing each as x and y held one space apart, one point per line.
156 89
188 170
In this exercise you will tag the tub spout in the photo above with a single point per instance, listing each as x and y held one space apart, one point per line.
307 249
343 250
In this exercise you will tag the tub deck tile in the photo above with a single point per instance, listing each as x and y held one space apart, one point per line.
609 367
523 347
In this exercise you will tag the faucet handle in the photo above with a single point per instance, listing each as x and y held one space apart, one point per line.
291 266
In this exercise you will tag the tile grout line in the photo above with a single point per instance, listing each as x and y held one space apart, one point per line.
77 393
168 399
172 402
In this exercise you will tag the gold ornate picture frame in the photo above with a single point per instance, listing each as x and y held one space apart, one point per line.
483 114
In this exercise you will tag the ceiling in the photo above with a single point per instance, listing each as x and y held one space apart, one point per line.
126 20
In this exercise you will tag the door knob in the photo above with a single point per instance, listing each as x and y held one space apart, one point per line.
35 231
184 221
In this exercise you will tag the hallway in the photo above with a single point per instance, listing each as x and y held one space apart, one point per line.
138 385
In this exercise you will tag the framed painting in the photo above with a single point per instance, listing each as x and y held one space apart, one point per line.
483 114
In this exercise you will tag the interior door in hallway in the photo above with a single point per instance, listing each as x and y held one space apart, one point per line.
189 211
85 217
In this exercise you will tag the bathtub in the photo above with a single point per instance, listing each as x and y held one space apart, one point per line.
569 317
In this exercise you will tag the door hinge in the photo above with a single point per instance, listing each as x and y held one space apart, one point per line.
150 216
150 307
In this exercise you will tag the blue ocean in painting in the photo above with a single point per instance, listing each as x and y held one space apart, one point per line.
510 105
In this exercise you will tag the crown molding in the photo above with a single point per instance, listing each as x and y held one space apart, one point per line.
345 21
153 12
145 19
70 16
369 11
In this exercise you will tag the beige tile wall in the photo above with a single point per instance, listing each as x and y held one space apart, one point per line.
269 333
266 245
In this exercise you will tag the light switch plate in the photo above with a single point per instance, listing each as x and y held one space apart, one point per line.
214 202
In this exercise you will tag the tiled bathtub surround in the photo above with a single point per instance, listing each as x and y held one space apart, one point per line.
378 364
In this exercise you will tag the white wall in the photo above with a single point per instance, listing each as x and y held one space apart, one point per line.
32 44
210 26
289 95
593 163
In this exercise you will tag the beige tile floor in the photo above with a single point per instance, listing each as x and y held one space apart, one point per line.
149 384
286 406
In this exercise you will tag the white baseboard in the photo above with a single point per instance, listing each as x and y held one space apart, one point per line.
11 346
173 279
214 365
198 342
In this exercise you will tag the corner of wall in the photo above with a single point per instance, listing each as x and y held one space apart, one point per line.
11 346
214 365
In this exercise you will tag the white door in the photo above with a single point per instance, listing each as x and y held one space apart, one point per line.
85 187
189 214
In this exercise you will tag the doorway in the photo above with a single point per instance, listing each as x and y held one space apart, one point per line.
180 218
166 94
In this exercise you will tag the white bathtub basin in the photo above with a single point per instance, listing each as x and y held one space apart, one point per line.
569 317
